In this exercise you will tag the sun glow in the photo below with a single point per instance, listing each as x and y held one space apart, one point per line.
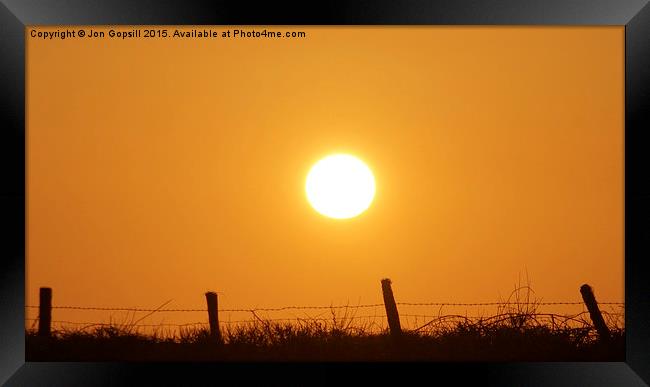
340 186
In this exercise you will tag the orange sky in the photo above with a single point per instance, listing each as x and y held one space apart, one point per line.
159 169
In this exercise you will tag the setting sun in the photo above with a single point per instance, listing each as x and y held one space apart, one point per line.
340 186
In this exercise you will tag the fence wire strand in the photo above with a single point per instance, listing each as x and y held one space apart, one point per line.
412 321
283 308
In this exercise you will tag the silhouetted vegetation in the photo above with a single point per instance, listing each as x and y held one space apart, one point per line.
517 332
510 339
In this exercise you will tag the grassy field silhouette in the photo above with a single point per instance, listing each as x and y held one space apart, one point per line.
317 342
517 333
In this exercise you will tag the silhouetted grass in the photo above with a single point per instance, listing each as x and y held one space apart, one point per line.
315 341
517 332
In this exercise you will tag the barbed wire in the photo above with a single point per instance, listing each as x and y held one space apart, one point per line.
500 303
278 309
353 317
121 309
434 320
115 324
203 324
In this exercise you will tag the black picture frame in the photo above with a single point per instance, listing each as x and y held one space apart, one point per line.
15 15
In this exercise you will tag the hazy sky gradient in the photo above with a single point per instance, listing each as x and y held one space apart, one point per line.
160 169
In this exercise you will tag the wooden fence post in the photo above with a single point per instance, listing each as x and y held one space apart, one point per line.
391 308
594 312
45 312
213 316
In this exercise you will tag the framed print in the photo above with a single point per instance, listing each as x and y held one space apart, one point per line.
197 191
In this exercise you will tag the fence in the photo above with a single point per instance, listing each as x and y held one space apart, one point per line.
345 315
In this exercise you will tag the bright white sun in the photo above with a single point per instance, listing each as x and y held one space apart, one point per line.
340 186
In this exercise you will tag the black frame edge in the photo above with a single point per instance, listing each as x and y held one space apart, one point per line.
12 197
